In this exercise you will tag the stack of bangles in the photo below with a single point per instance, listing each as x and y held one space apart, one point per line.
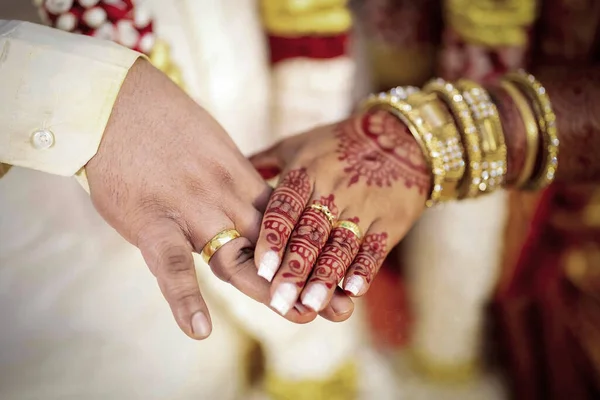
460 133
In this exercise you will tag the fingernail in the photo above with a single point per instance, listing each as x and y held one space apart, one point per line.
314 296
200 325
354 284
269 263
284 298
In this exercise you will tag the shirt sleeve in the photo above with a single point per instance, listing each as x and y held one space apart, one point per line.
57 91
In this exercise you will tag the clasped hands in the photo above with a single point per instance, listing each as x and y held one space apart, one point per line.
168 179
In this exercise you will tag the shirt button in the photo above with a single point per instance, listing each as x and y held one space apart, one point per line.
42 139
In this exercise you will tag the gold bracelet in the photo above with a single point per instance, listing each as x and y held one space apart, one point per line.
531 130
433 149
491 134
443 128
454 100
546 120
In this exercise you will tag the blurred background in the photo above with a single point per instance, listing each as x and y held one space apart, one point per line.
497 298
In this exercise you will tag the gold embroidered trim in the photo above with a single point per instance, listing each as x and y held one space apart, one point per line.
491 23
341 385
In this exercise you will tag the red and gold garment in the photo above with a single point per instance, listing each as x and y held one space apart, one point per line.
121 21
548 301
547 304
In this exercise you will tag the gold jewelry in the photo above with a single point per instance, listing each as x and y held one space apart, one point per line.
325 210
218 241
444 129
442 153
491 134
454 100
351 226
546 120
531 130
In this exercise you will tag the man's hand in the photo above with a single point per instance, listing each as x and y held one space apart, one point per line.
168 178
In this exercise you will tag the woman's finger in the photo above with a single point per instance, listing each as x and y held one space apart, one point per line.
168 253
367 262
335 258
306 241
282 213
268 163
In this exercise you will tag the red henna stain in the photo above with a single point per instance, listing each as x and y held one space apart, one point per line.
285 206
336 256
268 172
371 255
379 149
307 240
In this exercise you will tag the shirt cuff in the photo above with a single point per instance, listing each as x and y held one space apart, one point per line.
57 92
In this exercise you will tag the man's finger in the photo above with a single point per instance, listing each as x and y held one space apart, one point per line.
234 263
168 253
340 308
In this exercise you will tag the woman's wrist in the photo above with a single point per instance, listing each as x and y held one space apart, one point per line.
514 132
505 135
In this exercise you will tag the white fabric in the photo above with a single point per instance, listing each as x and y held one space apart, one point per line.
453 259
60 82
82 317
309 93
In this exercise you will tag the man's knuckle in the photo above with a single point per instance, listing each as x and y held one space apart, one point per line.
186 295
176 259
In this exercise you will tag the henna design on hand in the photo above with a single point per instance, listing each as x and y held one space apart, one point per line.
285 206
379 148
336 256
306 242
370 257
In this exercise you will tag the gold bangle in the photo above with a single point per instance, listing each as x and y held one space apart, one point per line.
395 103
454 100
440 143
546 120
443 128
531 130
491 134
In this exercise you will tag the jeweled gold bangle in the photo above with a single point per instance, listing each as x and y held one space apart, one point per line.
446 137
546 120
460 109
491 135
531 131
395 102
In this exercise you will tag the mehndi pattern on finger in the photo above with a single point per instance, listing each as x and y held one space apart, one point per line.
336 256
308 239
284 208
371 256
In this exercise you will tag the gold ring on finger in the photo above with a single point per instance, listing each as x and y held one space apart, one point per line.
325 211
218 241
351 226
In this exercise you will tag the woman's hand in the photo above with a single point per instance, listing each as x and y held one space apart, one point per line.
370 173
